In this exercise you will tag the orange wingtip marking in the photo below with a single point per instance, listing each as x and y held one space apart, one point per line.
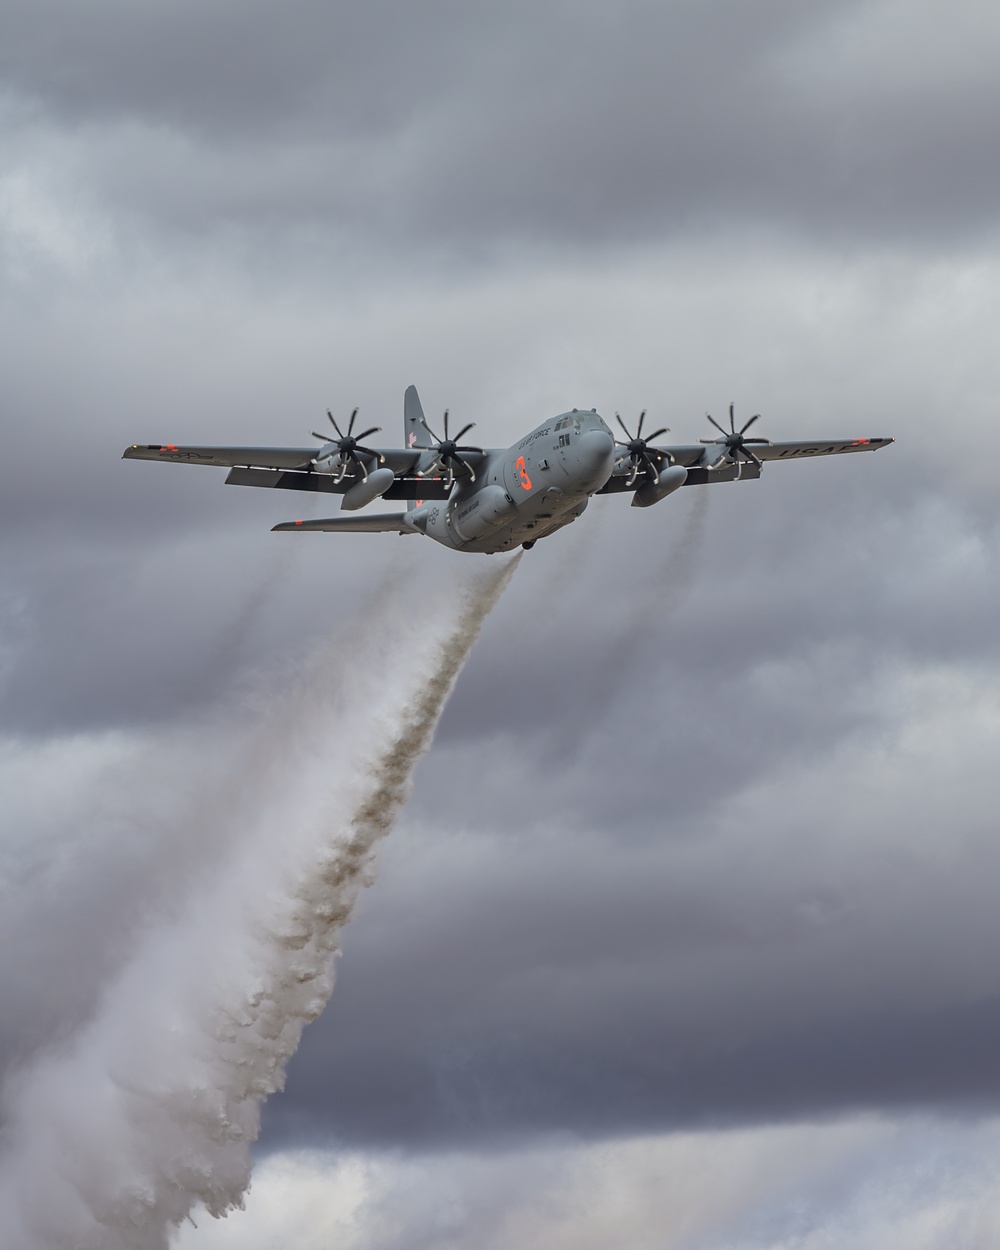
861 442
298 522
169 447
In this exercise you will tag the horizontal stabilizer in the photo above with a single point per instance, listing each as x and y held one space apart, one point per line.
384 522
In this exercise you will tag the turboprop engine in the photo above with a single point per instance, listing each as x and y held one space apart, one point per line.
733 447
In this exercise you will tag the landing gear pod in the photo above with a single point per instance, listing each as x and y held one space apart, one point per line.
482 513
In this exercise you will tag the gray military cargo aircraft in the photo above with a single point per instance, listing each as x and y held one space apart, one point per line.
491 499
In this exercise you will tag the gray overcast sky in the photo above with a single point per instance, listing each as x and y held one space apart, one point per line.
708 836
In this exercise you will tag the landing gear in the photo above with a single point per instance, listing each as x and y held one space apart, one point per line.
529 544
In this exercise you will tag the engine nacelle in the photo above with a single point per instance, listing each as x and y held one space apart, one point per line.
671 479
482 512
328 461
364 492
714 455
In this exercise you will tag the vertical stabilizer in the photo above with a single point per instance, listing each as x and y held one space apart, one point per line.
415 431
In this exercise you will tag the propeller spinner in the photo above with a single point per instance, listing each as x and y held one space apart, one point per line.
637 447
449 452
349 445
735 443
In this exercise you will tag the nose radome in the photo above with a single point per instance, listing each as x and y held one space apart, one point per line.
596 450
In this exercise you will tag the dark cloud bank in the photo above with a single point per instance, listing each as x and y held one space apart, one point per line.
466 126
746 878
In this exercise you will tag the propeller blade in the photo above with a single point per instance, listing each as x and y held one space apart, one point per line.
370 451
750 456
657 433
374 430
624 427
350 424
334 423
642 417
464 430
453 458
755 417
717 426
732 420
325 437
446 425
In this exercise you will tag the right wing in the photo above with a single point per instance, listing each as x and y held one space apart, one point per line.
396 458
291 468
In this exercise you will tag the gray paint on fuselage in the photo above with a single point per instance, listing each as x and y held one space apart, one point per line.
487 500
541 483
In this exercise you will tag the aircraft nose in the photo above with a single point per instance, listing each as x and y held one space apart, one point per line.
596 451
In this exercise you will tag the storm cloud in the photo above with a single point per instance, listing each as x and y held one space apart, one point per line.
707 838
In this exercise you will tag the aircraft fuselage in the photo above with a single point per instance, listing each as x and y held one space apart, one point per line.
541 483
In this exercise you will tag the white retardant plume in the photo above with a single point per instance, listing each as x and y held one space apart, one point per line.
151 1108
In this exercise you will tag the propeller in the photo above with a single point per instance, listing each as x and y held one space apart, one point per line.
638 451
449 452
735 443
349 445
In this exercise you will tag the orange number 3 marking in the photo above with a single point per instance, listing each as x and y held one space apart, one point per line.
523 472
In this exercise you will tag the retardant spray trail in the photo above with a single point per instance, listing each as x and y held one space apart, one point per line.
150 1111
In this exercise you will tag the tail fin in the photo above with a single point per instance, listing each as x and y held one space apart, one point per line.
415 431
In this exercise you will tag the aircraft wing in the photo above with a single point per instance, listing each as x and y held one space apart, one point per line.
691 453
291 468
399 459
816 447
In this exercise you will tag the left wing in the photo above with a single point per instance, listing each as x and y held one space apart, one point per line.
691 454
806 450
694 457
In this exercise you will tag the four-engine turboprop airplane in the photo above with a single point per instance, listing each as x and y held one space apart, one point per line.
489 499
